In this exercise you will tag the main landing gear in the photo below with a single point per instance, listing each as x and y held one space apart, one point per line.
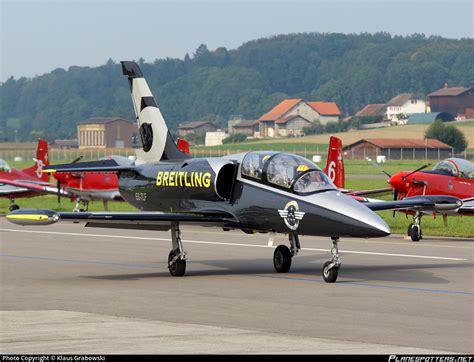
283 255
78 208
414 230
177 255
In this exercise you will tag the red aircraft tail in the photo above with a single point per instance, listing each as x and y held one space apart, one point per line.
183 146
335 164
41 160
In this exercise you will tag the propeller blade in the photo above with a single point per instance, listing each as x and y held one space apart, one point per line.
418 169
377 166
58 184
77 159
395 198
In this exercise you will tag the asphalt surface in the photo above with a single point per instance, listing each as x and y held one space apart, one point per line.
70 289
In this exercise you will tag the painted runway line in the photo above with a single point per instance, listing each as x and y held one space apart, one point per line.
232 244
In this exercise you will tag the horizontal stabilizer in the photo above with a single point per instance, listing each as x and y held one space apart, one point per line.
109 165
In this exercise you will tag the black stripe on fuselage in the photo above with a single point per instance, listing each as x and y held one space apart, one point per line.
147 102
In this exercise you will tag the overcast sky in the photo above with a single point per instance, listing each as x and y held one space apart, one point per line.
38 36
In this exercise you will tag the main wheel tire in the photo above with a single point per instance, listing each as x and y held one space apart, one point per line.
179 266
409 229
282 259
330 276
415 233
13 207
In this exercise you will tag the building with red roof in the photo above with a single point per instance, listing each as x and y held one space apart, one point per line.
290 116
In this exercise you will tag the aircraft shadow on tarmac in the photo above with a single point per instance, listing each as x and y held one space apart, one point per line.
303 268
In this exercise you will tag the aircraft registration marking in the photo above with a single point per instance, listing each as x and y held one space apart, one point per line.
183 179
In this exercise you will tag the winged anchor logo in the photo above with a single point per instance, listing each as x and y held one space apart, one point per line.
291 215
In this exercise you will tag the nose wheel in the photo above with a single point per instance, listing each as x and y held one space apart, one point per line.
331 268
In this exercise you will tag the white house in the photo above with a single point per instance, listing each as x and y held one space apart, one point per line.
399 108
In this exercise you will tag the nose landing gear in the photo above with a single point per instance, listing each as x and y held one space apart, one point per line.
331 268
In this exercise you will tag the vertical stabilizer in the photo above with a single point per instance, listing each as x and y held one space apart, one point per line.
335 163
41 160
157 143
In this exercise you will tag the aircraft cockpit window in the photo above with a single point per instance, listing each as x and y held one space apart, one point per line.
252 165
447 167
313 181
4 167
465 167
283 169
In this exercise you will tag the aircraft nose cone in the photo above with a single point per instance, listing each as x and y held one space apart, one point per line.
353 218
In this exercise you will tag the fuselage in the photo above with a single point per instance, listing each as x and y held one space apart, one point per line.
209 185
90 186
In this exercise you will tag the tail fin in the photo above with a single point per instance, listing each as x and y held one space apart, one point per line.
41 160
335 164
183 146
156 138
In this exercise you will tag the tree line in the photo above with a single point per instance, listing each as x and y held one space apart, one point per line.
350 69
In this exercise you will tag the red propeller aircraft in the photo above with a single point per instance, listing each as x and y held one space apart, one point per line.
29 182
450 177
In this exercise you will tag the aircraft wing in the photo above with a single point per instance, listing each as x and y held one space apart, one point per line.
17 187
416 203
142 220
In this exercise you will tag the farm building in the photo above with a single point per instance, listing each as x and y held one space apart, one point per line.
106 133
458 101
327 111
246 127
398 149
276 119
372 110
198 128
428 118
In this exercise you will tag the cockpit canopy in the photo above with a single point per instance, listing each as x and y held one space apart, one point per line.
4 166
286 171
456 167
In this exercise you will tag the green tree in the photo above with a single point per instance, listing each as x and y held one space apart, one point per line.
448 134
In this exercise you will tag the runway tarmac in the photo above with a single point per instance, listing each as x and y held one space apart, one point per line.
70 289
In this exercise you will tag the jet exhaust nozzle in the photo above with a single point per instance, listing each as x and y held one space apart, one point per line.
33 217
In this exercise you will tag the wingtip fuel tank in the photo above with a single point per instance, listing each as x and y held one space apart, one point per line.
33 217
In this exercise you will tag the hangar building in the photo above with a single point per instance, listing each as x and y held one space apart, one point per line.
398 149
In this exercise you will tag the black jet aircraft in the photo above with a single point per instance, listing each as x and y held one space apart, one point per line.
267 192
